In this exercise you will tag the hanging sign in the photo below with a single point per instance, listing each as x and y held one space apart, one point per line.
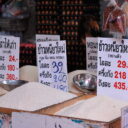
113 68
28 120
9 58
91 52
44 37
52 64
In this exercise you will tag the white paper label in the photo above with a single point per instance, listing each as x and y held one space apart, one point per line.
91 52
66 123
27 120
52 64
9 58
5 121
124 117
113 68
43 37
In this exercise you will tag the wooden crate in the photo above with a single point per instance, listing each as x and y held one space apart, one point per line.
54 108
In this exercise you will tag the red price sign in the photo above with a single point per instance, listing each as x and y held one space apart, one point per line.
11 77
120 75
11 67
12 59
9 59
112 58
122 64
120 85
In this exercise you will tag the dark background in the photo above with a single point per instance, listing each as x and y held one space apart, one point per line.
59 17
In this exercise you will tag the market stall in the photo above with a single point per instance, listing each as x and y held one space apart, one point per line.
71 71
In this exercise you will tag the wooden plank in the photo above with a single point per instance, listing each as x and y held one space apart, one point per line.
115 124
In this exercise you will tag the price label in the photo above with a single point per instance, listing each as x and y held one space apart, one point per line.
113 68
5 121
52 64
91 54
58 122
44 37
9 58
124 117
28 120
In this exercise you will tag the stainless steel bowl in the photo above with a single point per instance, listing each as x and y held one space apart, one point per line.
11 84
85 82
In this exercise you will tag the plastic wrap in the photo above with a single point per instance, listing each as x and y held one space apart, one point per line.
125 9
109 8
114 20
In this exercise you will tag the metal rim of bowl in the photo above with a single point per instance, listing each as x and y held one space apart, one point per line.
11 84
87 89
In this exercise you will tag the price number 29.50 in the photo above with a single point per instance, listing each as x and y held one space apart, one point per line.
59 75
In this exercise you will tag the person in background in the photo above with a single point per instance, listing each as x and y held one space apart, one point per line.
88 27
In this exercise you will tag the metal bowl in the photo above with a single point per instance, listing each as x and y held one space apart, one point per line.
85 82
11 84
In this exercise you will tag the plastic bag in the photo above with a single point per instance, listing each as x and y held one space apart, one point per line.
115 21
124 7
15 9
109 8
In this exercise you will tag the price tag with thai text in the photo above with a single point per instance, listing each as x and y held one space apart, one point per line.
28 120
58 122
113 68
9 58
52 64
44 37
5 120
91 52
124 117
